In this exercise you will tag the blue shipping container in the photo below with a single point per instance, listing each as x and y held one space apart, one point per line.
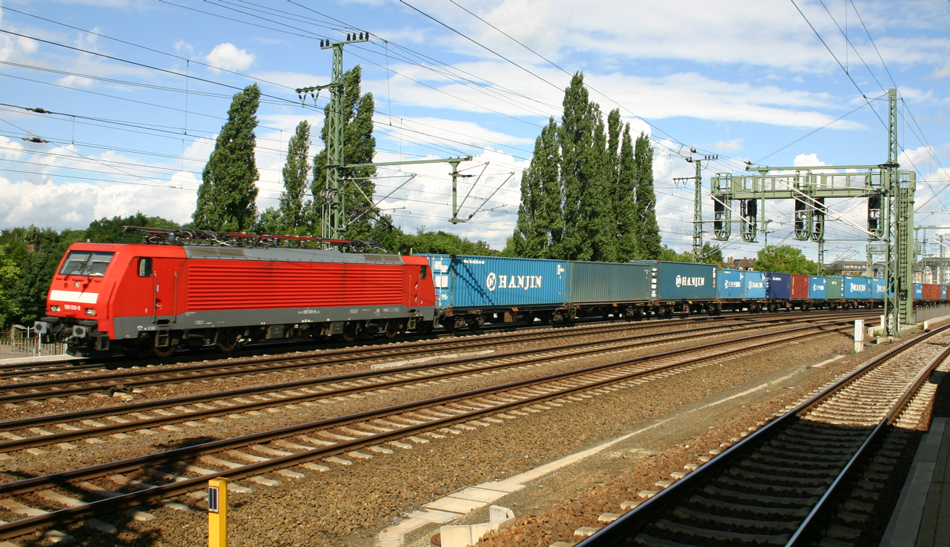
778 286
817 287
730 284
918 291
856 288
485 282
943 292
754 285
877 288
683 281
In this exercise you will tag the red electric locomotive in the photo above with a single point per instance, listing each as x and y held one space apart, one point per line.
141 298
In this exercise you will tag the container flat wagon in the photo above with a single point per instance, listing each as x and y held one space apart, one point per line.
778 291
611 289
799 291
683 287
754 292
857 291
474 290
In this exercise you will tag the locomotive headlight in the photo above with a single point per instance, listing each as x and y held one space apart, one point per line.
90 311
54 308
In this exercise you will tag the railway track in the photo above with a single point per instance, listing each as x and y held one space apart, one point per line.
56 366
815 475
27 433
316 445
138 378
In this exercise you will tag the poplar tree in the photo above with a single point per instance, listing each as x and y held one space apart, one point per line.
625 205
650 247
226 197
577 168
598 225
293 212
359 146
539 215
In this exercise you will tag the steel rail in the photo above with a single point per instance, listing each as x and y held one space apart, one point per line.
620 532
537 333
534 356
158 377
23 526
329 356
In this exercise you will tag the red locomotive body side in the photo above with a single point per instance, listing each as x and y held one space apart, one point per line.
162 296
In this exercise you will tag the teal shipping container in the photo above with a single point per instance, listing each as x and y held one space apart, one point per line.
610 282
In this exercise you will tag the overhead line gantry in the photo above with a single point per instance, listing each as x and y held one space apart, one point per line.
890 219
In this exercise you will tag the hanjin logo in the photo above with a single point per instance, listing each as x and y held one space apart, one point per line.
523 282
683 281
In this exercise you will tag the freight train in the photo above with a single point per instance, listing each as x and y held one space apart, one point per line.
143 299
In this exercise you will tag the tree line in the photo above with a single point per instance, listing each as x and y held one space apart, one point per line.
588 193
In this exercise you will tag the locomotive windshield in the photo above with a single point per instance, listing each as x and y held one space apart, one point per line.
88 263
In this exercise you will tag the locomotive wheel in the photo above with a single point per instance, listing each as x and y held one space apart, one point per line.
227 341
351 332
392 329
164 352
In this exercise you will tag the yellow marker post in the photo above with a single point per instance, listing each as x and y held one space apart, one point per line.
218 512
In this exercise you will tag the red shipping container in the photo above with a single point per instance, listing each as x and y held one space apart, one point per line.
931 292
799 287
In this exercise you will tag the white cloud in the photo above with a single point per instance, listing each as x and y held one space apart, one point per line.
184 48
734 145
228 57
807 160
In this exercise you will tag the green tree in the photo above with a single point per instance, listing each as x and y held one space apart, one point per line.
226 197
712 254
578 169
107 230
9 274
34 254
359 146
599 226
291 217
625 203
539 214
648 229
784 259
441 243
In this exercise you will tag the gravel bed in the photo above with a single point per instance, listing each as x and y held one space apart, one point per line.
56 458
174 389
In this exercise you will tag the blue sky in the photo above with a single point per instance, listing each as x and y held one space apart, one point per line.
138 89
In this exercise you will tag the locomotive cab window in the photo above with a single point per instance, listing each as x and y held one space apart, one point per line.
87 263
145 267
423 272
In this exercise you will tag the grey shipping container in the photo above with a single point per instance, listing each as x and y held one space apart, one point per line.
608 282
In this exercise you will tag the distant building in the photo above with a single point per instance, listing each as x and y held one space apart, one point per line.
741 263
848 267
